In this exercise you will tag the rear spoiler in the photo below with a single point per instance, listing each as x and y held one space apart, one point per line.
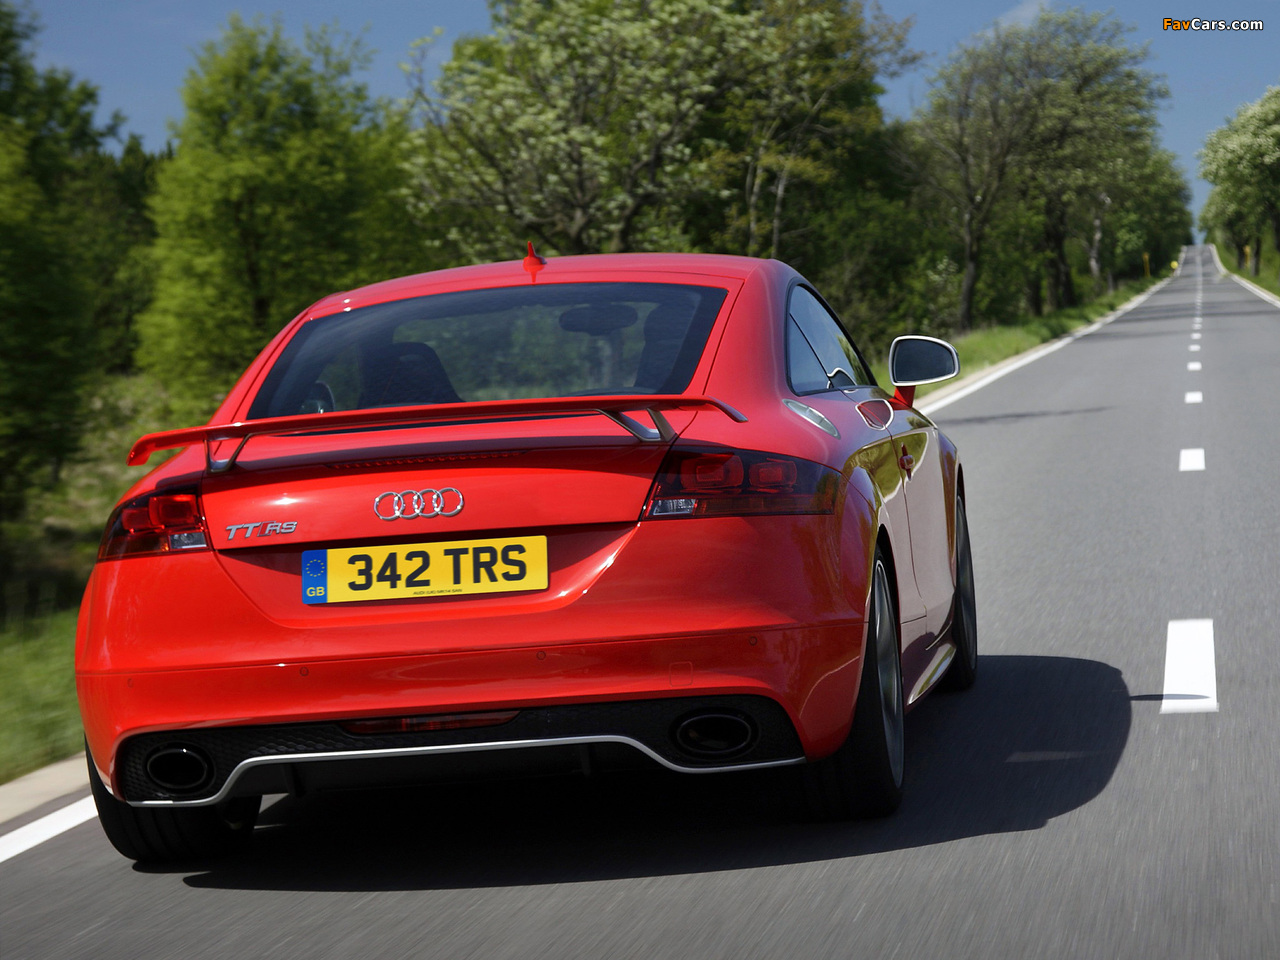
613 407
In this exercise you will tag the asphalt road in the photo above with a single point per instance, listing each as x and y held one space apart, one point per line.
1052 811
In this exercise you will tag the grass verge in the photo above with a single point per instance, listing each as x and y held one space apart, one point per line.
1267 268
982 348
39 717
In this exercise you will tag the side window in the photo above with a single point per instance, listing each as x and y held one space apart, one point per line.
804 369
841 366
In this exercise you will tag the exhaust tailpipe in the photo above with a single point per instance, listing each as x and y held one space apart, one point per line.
179 768
714 735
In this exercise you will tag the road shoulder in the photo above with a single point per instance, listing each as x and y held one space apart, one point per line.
21 796
954 390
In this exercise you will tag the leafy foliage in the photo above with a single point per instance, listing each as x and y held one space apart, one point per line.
43 329
1051 126
283 187
1242 160
573 124
48 138
804 119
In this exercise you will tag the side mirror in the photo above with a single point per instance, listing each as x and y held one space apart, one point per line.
917 360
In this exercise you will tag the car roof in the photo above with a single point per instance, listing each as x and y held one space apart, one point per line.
576 269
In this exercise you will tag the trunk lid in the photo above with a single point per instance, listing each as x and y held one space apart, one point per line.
562 494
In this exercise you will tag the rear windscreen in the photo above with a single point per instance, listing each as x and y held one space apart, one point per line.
553 340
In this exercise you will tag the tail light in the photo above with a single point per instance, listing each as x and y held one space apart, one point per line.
168 522
719 482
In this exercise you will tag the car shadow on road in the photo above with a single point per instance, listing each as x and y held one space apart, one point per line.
1036 738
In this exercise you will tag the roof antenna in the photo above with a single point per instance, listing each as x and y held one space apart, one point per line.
533 263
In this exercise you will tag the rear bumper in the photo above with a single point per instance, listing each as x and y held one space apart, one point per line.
795 685
297 758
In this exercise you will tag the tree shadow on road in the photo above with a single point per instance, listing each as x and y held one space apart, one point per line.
1015 417
1036 738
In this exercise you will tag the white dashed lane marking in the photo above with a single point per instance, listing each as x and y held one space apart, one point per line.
1190 680
1192 459
1194 396
1193 365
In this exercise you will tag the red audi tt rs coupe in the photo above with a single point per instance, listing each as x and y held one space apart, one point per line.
528 517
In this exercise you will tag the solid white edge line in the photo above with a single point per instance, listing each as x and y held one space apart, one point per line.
1256 290
928 409
1217 262
1191 459
1190 677
46 828
1247 284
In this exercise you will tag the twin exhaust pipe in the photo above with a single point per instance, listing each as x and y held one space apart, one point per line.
184 770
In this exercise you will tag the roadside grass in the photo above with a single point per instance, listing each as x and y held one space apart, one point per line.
987 346
39 718
1268 267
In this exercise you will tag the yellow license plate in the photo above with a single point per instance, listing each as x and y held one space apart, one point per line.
406 570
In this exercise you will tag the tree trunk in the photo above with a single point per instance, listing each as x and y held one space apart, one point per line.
1255 256
1062 289
1239 255
1095 265
964 323
755 179
1275 234
1062 292
779 191
1035 294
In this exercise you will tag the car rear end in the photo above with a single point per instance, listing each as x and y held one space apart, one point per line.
494 528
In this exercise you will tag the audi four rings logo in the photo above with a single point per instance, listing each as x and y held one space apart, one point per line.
408 504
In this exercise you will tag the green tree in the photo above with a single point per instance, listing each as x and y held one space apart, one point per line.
285 184
43 331
1149 212
1232 217
804 123
1242 159
573 124
972 133
98 197
1056 116
1094 130
111 226
48 135
56 111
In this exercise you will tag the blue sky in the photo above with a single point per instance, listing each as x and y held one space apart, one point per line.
138 51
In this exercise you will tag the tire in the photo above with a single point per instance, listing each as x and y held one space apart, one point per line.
964 617
863 778
160 835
